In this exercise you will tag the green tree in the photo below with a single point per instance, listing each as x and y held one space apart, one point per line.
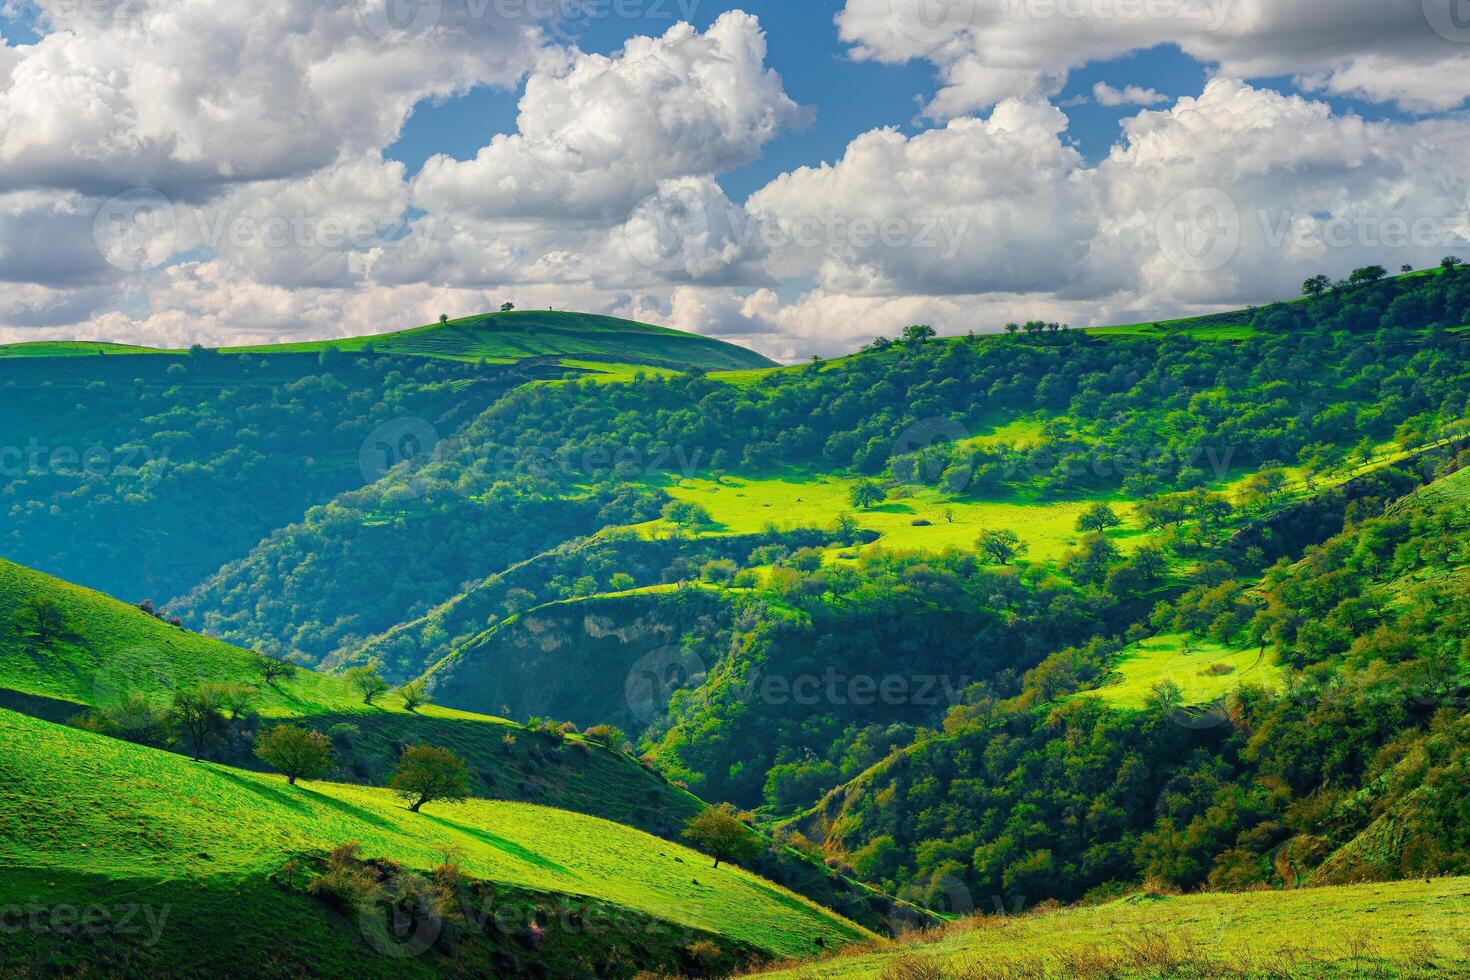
866 493
1316 286
720 833
414 695
272 670
426 773
367 682
295 752
45 621
1098 517
917 333
195 715
1001 546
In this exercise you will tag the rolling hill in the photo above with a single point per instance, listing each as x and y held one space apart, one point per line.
223 859
583 342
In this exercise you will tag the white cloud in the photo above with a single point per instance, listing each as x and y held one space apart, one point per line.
1107 95
991 50
598 134
190 98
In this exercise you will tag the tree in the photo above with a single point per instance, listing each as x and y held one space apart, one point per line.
237 699
1316 286
1449 263
1367 274
686 514
45 620
1012 329
507 307
1001 546
426 773
916 333
414 695
271 670
443 318
719 832
846 528
367 682
296 752
195 715
1406 268
1098 517
866 493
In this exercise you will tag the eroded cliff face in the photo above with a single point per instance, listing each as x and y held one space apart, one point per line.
610 659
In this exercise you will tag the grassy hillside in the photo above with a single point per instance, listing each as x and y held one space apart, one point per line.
88 820
1411 929
523 334
112 650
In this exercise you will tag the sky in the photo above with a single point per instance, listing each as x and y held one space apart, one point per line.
796 176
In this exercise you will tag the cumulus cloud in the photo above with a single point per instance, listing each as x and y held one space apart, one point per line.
190 98
1107 95
598 134
1401 51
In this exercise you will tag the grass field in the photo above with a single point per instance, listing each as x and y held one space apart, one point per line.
1379 930
72 348
1200 673
741 505
89 820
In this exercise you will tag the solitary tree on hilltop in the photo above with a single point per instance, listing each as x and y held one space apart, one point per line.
443 318
426 773
296 752
719 832
508 307
1316 286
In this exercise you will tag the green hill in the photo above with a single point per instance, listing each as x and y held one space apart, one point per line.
226 856
108 651
584 342
1411 929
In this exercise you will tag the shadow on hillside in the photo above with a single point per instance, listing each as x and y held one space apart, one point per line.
501 844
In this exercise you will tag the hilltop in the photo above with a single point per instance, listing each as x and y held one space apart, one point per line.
579 342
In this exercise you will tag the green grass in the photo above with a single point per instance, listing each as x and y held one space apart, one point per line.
72 348
1383 930
129 820
509 337
1161 658
742 505
116 650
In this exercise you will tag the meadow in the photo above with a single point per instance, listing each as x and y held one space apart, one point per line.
1400 929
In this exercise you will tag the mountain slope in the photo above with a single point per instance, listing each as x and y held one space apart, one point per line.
110 650
103 822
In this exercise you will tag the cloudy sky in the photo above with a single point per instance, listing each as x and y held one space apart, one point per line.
795 175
